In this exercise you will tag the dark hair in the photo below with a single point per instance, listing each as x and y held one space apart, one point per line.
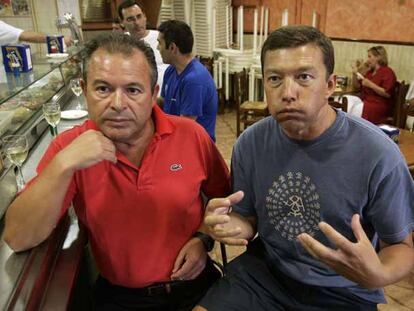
295 36
380 52
127 4
123 44
179 33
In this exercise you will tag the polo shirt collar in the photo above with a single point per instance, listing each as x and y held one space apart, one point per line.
163 125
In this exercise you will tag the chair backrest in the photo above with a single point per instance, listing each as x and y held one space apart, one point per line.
394 118
398 101
401 109
341 103
240 87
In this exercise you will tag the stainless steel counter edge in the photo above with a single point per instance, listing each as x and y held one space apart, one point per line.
45 275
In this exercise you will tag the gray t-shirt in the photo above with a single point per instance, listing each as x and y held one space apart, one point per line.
293 185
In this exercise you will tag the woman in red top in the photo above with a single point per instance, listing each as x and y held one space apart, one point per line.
377 84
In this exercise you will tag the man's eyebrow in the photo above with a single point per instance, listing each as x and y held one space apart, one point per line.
132 84
299 69
305 68
140 85
98 81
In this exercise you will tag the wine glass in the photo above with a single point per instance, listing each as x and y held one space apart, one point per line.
16 149
51 111
75 85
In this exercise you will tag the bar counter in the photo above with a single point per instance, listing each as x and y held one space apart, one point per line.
45 277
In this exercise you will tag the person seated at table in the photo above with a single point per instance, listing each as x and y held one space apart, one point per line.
320 188
136 178
376 84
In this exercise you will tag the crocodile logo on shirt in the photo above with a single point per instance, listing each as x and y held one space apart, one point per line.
293 206
175 167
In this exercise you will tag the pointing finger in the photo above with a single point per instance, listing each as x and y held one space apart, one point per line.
224 202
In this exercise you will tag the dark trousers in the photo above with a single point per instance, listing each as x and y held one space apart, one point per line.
169 296
250 284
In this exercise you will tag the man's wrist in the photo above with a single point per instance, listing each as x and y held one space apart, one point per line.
207 240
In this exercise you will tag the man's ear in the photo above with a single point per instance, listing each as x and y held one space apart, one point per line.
330 85
173 47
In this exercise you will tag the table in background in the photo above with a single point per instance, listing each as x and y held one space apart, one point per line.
406 143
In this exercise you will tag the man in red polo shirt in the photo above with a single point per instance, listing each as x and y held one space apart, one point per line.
135 176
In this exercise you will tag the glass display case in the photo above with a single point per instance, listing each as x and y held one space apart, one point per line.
22 96
44 277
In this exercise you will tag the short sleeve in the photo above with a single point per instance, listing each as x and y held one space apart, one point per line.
9 34
391 209
217 183
50 153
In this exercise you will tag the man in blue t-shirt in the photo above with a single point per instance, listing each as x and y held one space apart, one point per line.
329 195
188 89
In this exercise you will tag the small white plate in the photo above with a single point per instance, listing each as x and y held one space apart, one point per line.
73 114
57 55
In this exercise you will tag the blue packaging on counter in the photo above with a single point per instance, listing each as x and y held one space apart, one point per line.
391 131
55 44
17 58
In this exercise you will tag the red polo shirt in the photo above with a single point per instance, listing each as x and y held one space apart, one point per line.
138 218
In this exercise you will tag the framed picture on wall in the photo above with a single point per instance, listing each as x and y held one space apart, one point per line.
21 7
6 8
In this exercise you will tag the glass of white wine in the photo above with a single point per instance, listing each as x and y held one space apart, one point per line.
75 85
51 111
16 149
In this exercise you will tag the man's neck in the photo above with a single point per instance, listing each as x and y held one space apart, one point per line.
145 34
134 150
140 37
182 61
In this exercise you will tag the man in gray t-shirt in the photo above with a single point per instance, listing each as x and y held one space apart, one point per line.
329 195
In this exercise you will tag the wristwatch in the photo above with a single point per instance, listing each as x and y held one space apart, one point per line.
207 240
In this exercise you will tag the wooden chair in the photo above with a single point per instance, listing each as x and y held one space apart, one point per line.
403 109
398 101
341 104
248 112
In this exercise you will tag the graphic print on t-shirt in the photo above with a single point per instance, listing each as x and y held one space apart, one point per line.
293 206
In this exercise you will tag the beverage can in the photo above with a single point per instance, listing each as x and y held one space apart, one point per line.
55 44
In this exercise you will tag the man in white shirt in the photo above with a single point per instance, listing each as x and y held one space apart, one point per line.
13 35
132 16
